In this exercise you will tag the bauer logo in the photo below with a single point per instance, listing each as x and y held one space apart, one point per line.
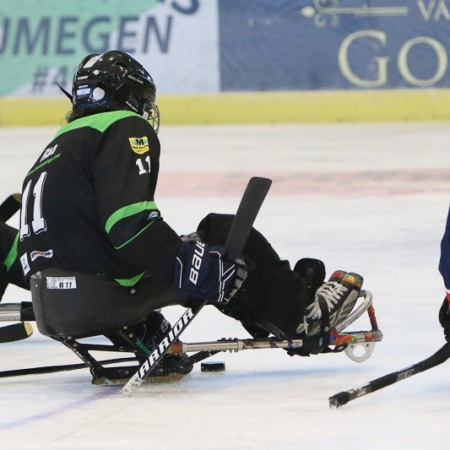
139 145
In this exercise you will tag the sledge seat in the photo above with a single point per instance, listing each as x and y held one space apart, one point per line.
76 305
70 306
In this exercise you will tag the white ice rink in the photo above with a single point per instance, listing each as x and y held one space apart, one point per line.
372 199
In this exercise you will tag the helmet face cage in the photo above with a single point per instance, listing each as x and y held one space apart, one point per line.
115 81
152 116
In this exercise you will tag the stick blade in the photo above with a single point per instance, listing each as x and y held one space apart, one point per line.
15 332
338 400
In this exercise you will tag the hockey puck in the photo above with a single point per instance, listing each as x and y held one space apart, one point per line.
212 366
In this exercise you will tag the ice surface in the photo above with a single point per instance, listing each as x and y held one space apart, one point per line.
369 198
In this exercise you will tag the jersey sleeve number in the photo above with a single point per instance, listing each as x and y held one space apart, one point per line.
144 166
38 223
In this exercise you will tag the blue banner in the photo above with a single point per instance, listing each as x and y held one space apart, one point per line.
268 45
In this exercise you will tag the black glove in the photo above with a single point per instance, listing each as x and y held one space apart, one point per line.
208 272
444 318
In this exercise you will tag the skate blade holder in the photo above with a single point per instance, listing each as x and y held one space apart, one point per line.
359 345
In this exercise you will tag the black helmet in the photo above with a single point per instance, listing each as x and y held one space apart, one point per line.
115 81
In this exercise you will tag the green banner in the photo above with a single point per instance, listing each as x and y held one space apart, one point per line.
42 41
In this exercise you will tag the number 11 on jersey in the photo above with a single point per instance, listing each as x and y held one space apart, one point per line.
38 222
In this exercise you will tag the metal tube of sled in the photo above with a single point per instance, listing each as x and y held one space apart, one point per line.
234 345
16 312
10 313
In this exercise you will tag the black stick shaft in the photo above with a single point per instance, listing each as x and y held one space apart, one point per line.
59 368
434 360
10 206
247 211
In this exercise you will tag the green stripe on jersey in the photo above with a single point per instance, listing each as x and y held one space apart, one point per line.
100 121
128 211
130 281
134 237
48 161
12 255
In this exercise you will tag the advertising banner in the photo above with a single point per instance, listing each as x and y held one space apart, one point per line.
42 41
212 46
270 45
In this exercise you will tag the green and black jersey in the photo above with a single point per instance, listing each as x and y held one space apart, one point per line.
88 202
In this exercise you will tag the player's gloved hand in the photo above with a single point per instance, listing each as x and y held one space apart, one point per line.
208 272
444 318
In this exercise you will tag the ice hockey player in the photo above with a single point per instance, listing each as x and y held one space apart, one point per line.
88 205
444 267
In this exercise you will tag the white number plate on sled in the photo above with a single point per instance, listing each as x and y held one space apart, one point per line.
61 283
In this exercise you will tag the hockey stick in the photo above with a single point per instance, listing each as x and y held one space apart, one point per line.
15 332
16 312
434 360
53 369
10 206
202 350
248 209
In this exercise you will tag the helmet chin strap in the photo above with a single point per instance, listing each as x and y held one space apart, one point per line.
69 96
